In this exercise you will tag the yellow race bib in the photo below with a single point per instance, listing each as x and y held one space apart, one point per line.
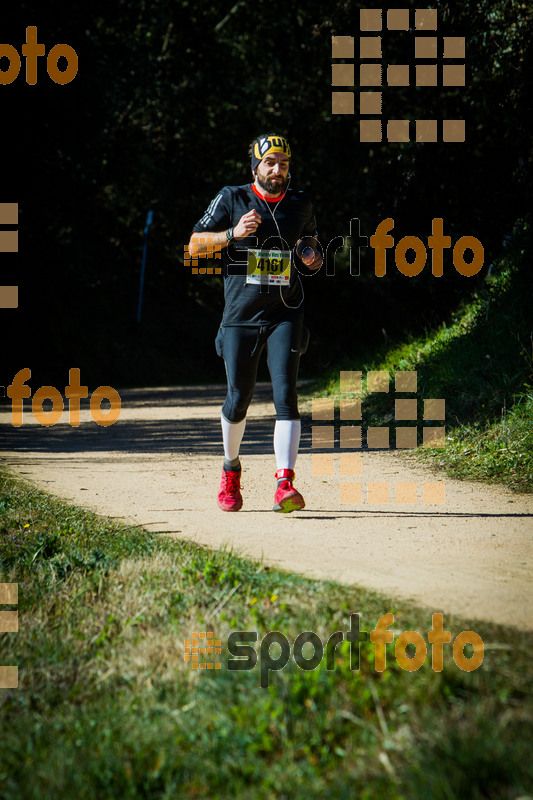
269 266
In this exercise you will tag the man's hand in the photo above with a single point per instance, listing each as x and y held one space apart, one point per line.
308 254
247 225
313 260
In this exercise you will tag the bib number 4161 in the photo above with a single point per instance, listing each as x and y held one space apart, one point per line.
269 264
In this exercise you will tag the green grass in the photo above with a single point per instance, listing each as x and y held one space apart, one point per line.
107 707
496 451
481 362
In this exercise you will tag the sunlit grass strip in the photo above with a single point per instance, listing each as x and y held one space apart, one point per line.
501 451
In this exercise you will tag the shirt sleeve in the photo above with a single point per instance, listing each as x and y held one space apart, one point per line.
309 229
217 216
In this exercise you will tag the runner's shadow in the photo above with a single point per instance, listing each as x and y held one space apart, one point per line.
184 434
367 514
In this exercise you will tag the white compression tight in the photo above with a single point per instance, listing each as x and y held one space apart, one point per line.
232 433
286 442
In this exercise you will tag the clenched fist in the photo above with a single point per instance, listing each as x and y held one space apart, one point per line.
247 225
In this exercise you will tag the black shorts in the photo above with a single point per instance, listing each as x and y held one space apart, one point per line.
241 348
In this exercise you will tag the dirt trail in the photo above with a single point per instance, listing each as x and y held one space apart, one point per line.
159 466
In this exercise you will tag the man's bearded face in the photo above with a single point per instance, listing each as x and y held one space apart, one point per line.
273 173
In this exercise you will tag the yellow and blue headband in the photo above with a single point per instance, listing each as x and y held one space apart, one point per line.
267 145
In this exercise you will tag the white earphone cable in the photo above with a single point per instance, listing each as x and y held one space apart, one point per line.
281 238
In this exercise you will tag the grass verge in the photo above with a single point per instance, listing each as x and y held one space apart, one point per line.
107 707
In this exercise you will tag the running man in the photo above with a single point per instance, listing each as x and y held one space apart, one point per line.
265 229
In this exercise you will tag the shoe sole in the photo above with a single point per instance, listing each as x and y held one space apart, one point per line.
289 504
235 508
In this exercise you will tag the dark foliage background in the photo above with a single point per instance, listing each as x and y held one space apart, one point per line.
168 94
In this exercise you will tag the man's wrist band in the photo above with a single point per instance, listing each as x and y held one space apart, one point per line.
229 235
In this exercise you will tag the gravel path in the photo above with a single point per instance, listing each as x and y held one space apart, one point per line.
159 466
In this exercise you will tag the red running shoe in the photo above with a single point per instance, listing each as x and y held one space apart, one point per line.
229 496
287 498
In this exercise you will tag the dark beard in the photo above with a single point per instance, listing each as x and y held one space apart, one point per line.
270 186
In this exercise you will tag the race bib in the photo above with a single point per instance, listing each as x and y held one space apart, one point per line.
269 266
